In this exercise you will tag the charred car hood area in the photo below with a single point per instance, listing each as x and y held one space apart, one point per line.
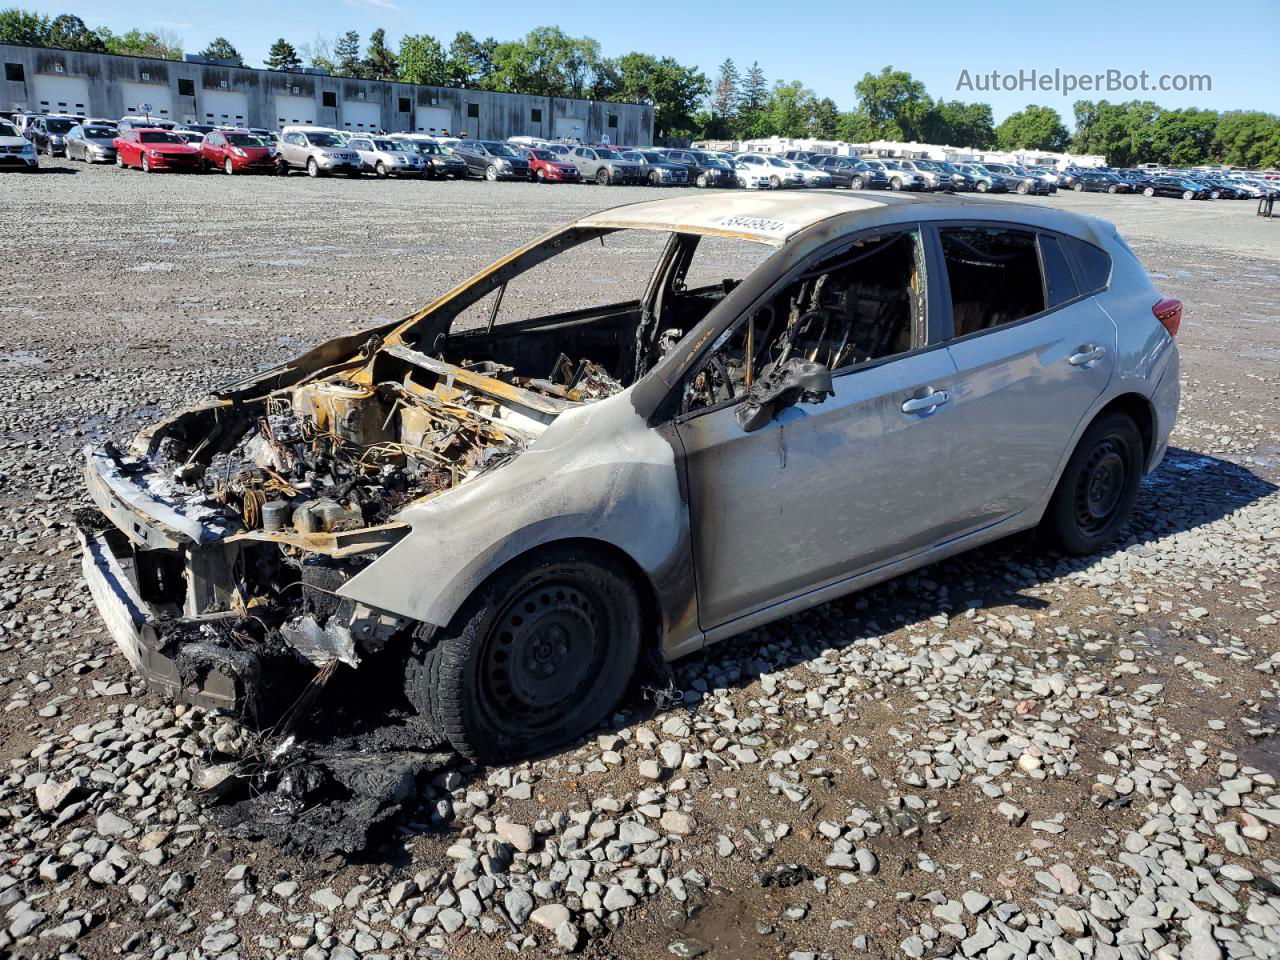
223 538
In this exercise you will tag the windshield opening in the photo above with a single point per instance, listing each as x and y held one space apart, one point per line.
324 140
159 136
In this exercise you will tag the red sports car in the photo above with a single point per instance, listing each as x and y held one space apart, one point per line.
238 151
546 167
154 149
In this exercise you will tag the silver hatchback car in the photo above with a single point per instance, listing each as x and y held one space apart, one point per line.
510 495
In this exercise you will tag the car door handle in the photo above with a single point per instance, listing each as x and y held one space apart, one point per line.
926 404
1086 356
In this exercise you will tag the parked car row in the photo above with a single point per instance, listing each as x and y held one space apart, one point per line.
1186 184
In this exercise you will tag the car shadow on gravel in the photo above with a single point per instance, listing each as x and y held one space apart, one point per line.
358 776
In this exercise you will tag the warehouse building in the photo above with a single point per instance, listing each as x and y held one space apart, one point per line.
43 80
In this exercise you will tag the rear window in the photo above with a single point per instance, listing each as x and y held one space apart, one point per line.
1059 282
1094 264
993 274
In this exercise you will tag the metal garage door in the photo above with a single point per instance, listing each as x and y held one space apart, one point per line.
361 115
570 127
224 107
59 94
295 109
433 120
138 95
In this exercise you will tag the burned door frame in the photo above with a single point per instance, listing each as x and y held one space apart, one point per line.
790 458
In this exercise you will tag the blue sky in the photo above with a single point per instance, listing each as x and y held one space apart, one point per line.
813 42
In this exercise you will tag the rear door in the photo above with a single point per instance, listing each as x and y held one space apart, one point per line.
1033 351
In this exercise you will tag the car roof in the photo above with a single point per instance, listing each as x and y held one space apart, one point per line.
775 218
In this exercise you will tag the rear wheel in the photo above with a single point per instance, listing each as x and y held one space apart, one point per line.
1095 494
536 657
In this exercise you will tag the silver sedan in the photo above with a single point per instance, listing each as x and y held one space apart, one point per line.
91 143
511 494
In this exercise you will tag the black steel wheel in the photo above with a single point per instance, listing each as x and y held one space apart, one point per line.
536 658
1097 489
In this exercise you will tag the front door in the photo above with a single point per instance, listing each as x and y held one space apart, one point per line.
829 489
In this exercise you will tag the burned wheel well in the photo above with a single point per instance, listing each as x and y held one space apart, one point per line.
1138 408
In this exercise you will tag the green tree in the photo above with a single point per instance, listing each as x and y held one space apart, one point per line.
824 119
346 55
69 33
788 110
895 105
379 60
724 96
1248 138
961 124
1185 137
857 126
1036 128
547 62
283 56
674 90
23 27
161 44
220 48
749 121
470 61
423 60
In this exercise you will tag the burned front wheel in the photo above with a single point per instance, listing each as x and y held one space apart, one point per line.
537 657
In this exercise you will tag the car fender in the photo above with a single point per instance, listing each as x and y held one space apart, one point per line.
598 472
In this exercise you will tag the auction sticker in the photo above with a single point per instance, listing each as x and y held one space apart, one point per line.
757 225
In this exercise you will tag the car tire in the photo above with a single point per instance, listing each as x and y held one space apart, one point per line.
313 168
1149 192
1078 187
146 164
541 175
602 177
982 186
1113 189
380 170
1024 189
228 167
1188 195
1096 491
120 160
855 183
537 657
1216 194
491 173
654 179
895 183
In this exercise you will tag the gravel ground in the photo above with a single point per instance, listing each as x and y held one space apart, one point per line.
1003 756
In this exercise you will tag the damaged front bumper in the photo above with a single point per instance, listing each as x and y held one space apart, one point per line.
164 573
202 674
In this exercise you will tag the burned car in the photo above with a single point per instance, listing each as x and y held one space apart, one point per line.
509 504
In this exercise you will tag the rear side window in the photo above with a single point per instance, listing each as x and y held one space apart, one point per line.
1094 263
1059 282
993 274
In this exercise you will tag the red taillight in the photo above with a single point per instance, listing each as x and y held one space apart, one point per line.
1169 312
